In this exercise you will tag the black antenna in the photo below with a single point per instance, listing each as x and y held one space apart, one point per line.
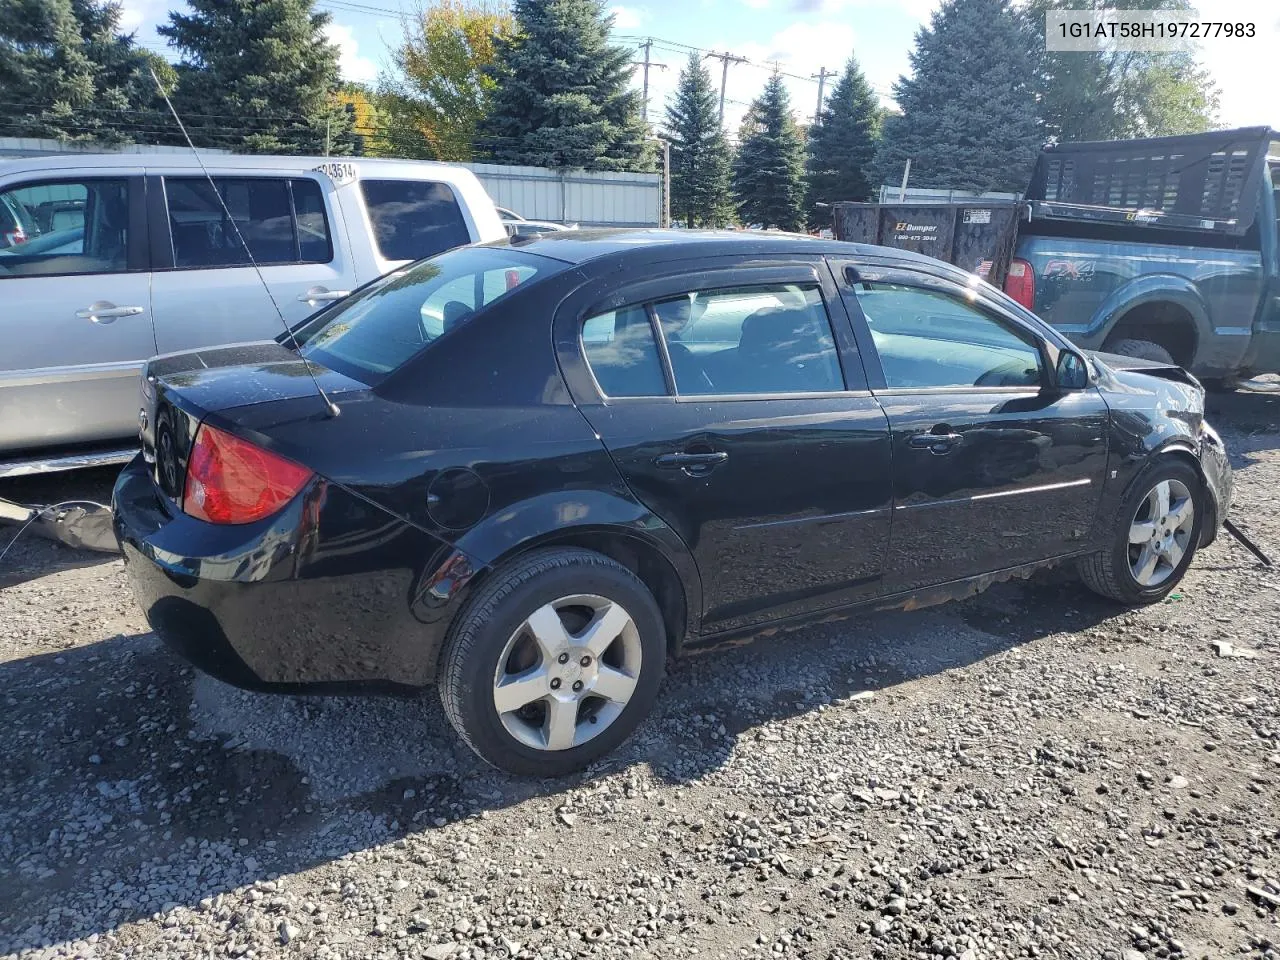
330 406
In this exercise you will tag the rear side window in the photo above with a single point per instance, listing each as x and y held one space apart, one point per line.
623 354
67 227
768 340
280 220
375 331
413 219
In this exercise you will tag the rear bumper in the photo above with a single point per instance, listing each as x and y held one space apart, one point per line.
331 593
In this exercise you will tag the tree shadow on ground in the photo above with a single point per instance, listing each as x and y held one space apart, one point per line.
183 787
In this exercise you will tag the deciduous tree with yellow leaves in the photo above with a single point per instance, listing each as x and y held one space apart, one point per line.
439 90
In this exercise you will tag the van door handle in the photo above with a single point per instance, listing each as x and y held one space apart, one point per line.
693 464
938 443
321 295
104 311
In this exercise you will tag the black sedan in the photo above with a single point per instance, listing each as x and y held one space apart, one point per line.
540 467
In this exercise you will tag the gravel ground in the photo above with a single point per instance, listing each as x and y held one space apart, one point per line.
1030 773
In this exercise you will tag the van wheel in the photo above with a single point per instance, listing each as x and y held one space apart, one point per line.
554 662
1157 532
1141 349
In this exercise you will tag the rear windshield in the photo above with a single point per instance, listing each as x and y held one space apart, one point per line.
377 329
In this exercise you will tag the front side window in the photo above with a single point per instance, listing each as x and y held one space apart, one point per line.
928 339
376 330
413 219
768 340
64 228
278 220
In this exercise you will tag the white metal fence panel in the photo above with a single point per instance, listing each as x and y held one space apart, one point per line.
587 198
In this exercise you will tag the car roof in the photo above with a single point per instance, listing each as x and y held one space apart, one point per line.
186 161
584 246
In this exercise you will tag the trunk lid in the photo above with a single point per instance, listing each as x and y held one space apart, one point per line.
180 390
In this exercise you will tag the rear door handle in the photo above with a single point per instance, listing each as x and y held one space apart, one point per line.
321 295
693 464
935 442
104 311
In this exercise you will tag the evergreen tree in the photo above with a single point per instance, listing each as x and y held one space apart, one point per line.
67 73
700 164
768 171
842 144
563 97
968 110
1116 94
259 76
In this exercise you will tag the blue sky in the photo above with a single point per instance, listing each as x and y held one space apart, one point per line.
801 36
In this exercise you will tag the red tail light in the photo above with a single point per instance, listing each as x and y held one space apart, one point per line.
230 480
1020 283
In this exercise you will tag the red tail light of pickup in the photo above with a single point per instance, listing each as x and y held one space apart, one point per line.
1020 283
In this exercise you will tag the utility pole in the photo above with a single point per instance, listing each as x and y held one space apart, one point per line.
821 77
725 59
644 106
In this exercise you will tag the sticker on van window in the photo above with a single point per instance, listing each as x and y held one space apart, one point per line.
337 171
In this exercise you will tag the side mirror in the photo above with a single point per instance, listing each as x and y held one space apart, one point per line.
1072 372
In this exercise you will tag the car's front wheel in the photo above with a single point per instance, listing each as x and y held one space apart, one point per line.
554 662
1157 530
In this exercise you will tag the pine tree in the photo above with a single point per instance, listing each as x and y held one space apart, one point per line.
563 96
259 76
700 165
842 144
968 117
768 172
67 73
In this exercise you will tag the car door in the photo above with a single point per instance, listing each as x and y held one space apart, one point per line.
993 466
207 291
76 315
736 410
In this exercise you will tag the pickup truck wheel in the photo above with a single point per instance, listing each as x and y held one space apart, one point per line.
1157 529
1141 349
554 662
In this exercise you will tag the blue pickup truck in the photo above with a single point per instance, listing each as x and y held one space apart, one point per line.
1164 249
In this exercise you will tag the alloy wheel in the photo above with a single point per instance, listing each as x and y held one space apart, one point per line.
567 672
1160 532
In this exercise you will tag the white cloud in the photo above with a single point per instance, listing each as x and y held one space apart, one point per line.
353 66
626 18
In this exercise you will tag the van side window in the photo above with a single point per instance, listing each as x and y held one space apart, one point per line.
282 221
413 219
68 227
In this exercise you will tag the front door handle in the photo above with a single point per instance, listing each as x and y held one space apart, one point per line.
938 443
103 311
321 295
693 464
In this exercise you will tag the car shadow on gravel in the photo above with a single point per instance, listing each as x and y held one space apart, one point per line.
127 771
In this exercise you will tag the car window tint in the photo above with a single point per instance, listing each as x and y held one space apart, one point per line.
927 338
262 217
414 218
377 329
64 228
762 340
621 350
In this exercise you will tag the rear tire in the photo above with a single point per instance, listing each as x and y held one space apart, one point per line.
1141 349
1152 546
553 663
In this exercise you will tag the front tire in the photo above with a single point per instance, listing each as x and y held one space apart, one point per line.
553 663
1139 349
1157 532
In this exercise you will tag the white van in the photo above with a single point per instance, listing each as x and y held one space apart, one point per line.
106 260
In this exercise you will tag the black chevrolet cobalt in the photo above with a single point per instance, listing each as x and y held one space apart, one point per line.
541 467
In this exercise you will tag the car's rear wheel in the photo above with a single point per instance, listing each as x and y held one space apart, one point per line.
554 662
1157 530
